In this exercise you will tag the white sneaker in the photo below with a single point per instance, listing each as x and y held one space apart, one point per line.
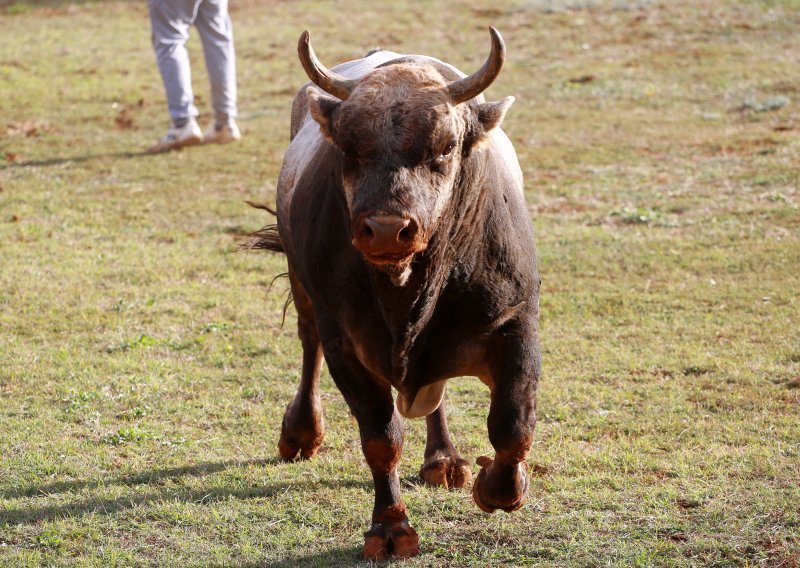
225 135
189 135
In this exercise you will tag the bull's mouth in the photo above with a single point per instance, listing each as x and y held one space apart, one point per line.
389 260
394 259
396 267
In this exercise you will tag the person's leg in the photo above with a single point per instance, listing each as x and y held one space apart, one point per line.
170 21
216 33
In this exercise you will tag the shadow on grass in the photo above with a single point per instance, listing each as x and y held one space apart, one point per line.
72 160
147 477
342 556
34 514
22 6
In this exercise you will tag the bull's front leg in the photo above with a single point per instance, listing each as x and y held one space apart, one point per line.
382 442
502 482
381 430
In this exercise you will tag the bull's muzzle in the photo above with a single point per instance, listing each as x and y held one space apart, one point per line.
387 239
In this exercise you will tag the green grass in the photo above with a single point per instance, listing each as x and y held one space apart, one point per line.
144 368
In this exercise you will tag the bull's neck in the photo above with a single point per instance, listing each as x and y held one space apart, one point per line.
450 256
407 309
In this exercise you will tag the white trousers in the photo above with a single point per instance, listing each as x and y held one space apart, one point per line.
170 21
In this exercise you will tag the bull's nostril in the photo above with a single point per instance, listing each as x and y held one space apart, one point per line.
385 234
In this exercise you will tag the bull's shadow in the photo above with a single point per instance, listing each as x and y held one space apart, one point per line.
147 477
50 3
73 160
11 515
341 556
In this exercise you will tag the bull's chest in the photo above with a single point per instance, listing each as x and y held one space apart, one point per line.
445 347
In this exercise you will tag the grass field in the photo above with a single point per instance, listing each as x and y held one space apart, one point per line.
144 368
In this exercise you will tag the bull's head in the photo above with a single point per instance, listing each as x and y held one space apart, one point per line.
405 135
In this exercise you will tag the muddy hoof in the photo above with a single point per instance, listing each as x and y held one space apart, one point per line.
450 472
491 492
393 539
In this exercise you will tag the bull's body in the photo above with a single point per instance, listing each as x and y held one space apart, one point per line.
466 303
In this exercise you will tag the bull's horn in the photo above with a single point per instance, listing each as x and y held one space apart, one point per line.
320 75
464 89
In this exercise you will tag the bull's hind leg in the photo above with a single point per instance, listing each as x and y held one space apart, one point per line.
303 427
442 466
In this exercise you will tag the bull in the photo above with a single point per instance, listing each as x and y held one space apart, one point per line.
411 260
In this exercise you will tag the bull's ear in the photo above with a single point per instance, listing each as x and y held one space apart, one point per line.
323 109
490 115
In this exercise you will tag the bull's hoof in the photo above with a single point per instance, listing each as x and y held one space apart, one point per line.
292 451
491 492
301 436
450 472
396 539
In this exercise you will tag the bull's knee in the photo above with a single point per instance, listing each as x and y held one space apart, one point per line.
382 454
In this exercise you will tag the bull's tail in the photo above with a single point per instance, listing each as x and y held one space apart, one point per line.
266 238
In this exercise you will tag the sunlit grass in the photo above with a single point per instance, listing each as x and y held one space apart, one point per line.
144 368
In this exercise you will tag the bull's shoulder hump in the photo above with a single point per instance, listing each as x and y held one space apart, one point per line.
380 58
447 71
360 67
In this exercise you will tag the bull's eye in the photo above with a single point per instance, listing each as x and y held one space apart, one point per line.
441 160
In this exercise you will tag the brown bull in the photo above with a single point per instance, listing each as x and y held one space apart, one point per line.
412 261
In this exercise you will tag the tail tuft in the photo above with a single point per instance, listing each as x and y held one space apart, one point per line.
266 238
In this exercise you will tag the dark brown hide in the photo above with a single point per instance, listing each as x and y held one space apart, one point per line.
463 299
